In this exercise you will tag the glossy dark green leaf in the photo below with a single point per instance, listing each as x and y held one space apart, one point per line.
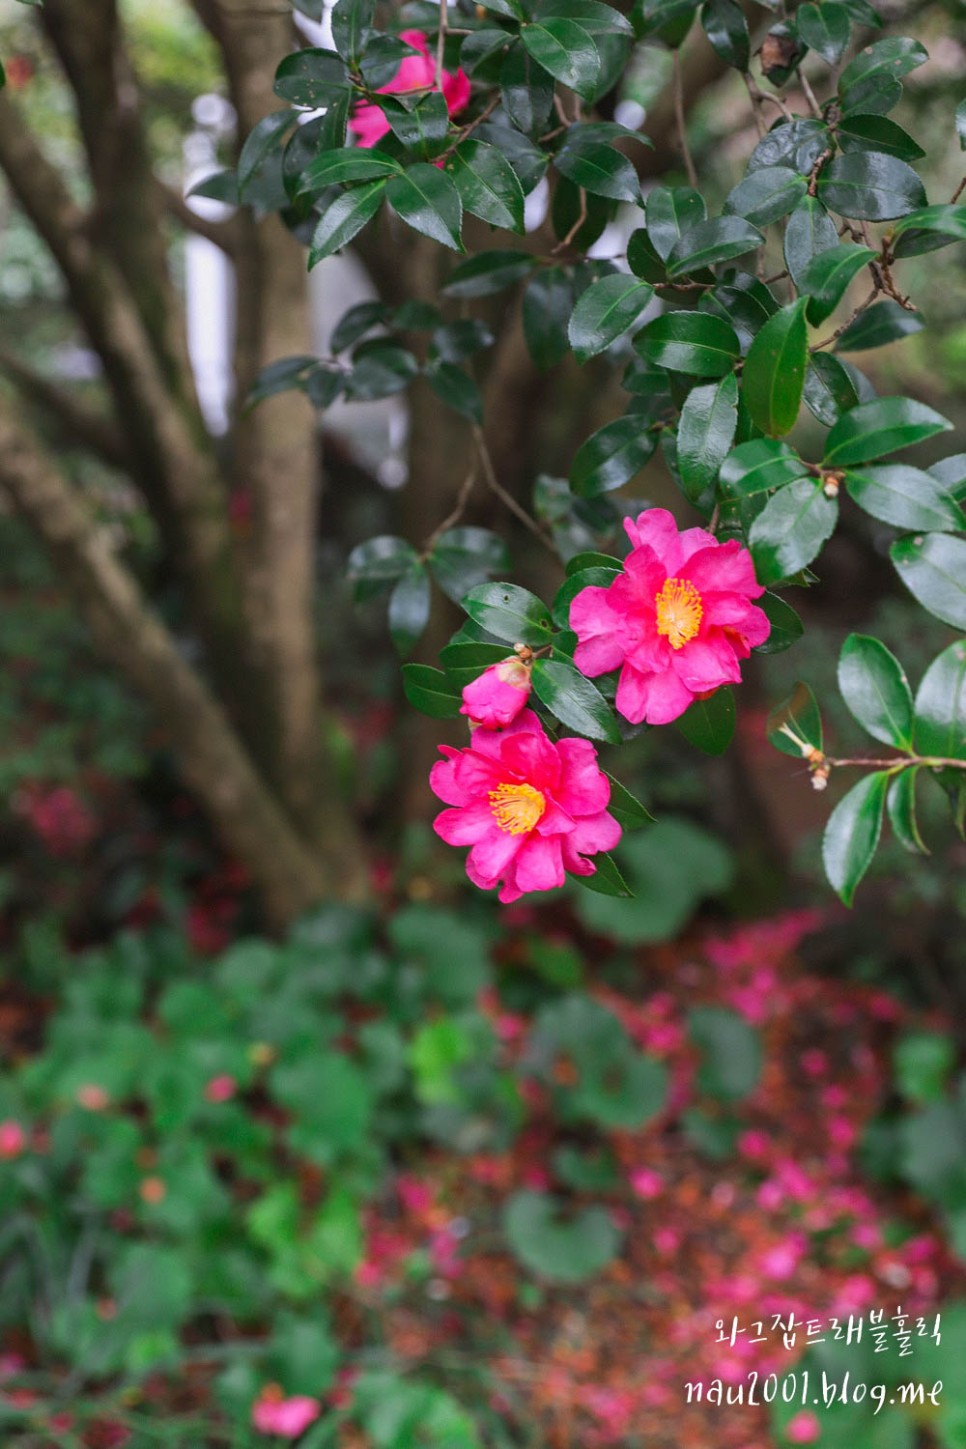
280 376
482 45
901 809
311 77
810 233
409 609
875 429
961 124
609 308
875 96
874 686
666 20
351 27
547 305
829 389
429 691
349 163
219 186
795 725
877 133
711 242
760 466
774 372
626 809
870 186
456 389
905 497
383 57
786 627
612 456
464 557
487 184
894 57
574 700
527 91
864 13
790 530
344 218
826 277
599 169
727 30
690 342
923 230
422 128
508 612
379 562
606 879
766 195
488 273
796 144
669 210
709 724
262 140
744 302
428 201
705 433
464 662
824 28
951 473
933 568
380 368
456 341
940 725
566 50
878 325
591 15
527 160
356 322
852 834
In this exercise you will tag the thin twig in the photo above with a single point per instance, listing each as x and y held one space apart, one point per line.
453 517
816 109
484 115
581 218
958 192
440 42
680 122
495 486
827 341
902 762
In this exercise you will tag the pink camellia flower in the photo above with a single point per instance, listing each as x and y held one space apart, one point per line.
498 695
13 1139
675 622
416 73
530 809
221 1088
272 1413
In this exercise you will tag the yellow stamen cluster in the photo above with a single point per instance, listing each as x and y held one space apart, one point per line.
679 612
516 808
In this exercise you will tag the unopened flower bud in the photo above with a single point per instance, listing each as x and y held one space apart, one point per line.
831 483
498 695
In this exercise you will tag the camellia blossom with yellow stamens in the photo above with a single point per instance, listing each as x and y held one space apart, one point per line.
531 809
676 621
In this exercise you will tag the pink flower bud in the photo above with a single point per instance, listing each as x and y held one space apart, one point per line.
288 1418
221 1088
13 1139
498 695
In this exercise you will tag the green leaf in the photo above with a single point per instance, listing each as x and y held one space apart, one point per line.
689 342
711 242
829 388
731 1054
488 273
511 613
877 133
870 186
383 57
480 46
882 426
547 305
874 686
666 20
346 216
574 700
409 609
933 568
786 627
709 724
527 90
901 809
464 557
430 691
795 144
727 30
264 138
894 58
961 124
766 195
380 368
428 201
810 233
456 341
918 231
591 15
280 376
827 276
774 372
852 834
351 27
609 308
612 456
379 562
557 1249
356 322
311 77
463 662
790 530
873 97
487 184
824 28
626 809
795 725
606 879
759 467
598 168
567 51
905 497
940 727
669 211
422 127
705 433
878 325
745 303
456 389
